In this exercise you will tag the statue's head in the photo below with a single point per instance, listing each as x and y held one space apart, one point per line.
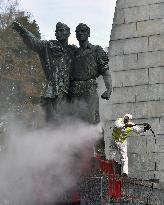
62 31
82 32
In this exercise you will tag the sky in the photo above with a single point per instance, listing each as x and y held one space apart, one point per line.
97 14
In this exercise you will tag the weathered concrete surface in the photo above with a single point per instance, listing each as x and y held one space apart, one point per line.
136 52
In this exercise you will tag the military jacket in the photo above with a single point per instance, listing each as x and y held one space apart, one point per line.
88 64
56 62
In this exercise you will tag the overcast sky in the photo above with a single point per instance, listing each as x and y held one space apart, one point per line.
97 14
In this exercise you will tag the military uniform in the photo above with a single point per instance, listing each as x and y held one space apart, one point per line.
88 65
56 62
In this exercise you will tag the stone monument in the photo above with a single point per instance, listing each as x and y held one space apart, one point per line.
56 59
137 62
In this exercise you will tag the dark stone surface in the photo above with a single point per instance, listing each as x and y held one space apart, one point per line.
56 59
70 71
89 63
139 192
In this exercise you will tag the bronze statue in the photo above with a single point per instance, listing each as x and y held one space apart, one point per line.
56 58
90 62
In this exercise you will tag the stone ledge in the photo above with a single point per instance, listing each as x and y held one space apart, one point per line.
139 60
135 14
151 27
129 3
156 75
137 29
151 59
154 92
156 11
128 46
124 31
144 175
144 183
145 110
123 95
156 42
130 78
141 93
139 13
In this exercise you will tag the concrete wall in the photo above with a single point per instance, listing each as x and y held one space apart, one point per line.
137 65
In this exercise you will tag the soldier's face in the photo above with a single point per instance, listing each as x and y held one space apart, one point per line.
82 34
61 34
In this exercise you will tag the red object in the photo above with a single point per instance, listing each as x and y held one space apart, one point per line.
114 188
114 183
107 166
75 197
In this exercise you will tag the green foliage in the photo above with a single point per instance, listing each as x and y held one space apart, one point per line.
30 26
21 75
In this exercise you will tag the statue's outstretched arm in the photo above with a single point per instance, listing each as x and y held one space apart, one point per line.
108 84
29 39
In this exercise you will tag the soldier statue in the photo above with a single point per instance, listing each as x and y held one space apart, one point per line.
89 63
56 58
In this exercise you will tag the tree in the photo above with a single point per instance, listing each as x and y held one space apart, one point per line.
21 75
